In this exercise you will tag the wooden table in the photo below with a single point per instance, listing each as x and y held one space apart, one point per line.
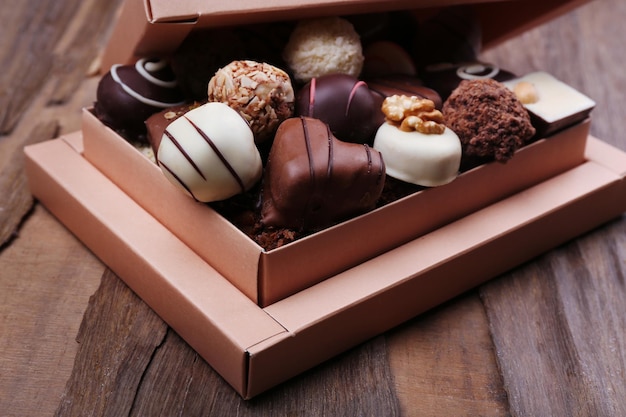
546 339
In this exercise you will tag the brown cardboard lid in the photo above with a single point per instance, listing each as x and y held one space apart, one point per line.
153 27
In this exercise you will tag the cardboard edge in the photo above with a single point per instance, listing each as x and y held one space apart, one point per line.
120 161
208 312
520 17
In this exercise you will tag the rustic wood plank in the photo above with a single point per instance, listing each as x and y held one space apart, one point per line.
29 63
75 55
46 278
561 350
444 363
117 339
16 200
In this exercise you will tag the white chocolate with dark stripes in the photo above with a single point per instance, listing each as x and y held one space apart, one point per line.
209 152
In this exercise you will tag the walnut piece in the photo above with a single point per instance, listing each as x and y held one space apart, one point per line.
413 113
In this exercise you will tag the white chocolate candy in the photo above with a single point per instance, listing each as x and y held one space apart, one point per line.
424 159
555 105
209 152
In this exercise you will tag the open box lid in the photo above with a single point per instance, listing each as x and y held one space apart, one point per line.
153 27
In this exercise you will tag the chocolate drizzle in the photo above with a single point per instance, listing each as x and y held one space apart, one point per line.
184 153
219 154
178 179
353 91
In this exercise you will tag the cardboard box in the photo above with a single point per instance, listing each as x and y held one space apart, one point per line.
269 276
256 348
257 332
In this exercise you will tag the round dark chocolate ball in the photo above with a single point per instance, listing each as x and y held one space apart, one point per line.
343 102
128 94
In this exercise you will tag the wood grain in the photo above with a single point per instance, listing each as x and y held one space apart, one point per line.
16 198
444 361
46 277
546 339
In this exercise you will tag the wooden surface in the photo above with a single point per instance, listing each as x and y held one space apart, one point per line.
546 339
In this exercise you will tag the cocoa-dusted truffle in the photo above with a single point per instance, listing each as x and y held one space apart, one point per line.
261 93
343 102
313 180
128 94
488 118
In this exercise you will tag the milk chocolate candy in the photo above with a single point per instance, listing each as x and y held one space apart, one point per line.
343 102
313 180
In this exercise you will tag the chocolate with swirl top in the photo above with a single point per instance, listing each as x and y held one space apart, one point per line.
128 94
313 180
444 78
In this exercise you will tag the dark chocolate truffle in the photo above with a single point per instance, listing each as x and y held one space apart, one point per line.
128 94
313 180
488 118
343 102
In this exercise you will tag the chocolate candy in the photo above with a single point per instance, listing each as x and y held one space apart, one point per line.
261 93
157 123
552 104
209 152
313 180
444 78
205 51
128 94
404 86
415 143
488 118
344 103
